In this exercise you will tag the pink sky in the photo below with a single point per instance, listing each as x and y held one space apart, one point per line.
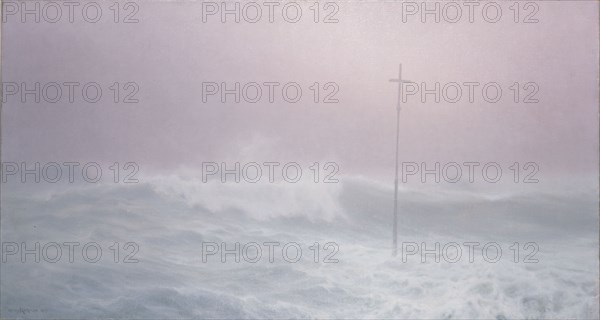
171 52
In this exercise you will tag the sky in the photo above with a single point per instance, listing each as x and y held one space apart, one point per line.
170 53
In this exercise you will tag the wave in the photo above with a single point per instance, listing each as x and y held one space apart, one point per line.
170 217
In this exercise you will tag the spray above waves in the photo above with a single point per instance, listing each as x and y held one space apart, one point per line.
356 205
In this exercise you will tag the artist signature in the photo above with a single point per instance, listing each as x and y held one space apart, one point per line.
22 310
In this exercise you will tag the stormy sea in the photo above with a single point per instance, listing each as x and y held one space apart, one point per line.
175 247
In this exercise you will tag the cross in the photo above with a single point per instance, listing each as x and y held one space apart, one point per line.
400 82
395 231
